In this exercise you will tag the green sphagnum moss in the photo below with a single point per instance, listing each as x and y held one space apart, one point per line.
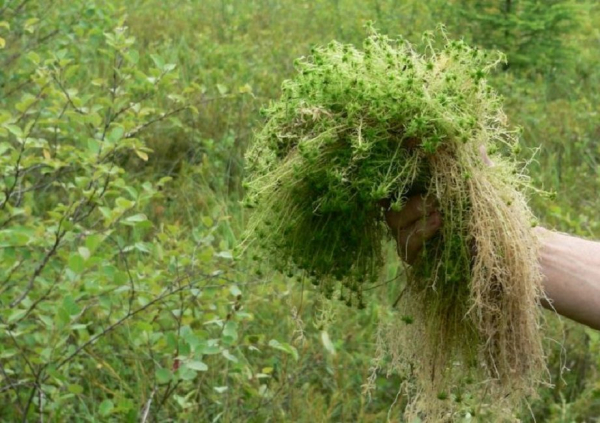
354 127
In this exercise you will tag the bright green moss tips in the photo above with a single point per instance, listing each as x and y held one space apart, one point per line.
355 127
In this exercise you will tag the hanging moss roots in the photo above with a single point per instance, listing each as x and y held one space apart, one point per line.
354 127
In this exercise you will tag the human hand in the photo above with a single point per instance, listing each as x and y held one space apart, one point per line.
417 222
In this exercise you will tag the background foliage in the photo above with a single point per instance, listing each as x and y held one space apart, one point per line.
122 132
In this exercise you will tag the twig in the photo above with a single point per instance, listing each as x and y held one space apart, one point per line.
162 116
123 257
18 172
12 385
67 95
146 409
60 233
109 118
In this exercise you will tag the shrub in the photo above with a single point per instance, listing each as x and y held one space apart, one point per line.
100 310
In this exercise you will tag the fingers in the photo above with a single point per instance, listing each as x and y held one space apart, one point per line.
411 239
416 208
417 222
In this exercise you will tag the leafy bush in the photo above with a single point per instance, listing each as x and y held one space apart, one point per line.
91 286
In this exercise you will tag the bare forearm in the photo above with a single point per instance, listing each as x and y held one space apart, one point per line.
571 269
571 266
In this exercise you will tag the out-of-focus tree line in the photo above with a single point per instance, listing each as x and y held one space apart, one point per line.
122 132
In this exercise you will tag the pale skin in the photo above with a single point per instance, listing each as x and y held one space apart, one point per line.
570 265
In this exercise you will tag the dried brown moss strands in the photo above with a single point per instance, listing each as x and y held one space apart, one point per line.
354 127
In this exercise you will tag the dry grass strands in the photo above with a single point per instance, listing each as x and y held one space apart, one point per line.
357 126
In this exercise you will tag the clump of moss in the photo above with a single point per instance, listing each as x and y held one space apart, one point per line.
356 126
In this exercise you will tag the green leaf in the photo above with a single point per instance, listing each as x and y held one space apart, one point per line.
26 101
30 24
210 350
225 254
84 252
93 241
93 146
234 290
186 373
229 356
163 375
106 407
133 56
34 57
124 203
2 43
62 316
76 263
326 340
16 315
4 117
142 155
78 326
222 89
75 389
116 134
15 130
71 306
158 61
136 218
282 346
197 365
144 247
206 254
230 330
245 89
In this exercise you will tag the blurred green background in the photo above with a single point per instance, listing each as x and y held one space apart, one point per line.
122 131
